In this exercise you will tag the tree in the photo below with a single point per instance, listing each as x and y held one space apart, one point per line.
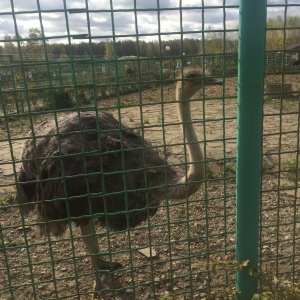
57 50
150 52
35 43
293 35
213 42
9 46
98 48
109 50
275 34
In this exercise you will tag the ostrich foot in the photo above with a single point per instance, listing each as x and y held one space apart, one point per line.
95 294
95 291
107 265
104 265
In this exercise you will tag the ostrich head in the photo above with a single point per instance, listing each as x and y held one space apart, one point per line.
192 79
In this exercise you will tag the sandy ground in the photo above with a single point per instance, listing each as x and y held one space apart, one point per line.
184 235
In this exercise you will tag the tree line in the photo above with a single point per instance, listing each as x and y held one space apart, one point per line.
281 33
109 49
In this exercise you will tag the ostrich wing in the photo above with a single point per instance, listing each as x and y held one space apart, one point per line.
84 171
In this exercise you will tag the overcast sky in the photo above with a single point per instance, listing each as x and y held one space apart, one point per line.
57 22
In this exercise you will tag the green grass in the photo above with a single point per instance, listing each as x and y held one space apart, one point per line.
292 169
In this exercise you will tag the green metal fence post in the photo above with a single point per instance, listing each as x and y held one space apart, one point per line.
252 21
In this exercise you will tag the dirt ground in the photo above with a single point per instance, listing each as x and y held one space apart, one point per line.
184 236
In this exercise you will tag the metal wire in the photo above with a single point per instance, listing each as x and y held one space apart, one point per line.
129 70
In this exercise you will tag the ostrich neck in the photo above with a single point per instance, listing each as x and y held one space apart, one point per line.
196 169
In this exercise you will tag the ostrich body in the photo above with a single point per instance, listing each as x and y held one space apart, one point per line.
88 163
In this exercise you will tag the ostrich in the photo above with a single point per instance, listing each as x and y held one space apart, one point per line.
88 163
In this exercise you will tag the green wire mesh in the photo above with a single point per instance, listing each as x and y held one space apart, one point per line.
280 182
128 70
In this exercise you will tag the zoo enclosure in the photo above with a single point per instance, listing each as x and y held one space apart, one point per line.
35 84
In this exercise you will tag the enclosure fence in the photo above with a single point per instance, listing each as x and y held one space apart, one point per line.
89 133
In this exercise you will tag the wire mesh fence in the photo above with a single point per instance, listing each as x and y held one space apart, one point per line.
279 194
65 68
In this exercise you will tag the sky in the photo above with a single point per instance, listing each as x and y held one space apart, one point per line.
57 23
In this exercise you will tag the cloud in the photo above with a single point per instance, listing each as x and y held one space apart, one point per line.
101 24
6 26
51 4
54 24
28 5
147 20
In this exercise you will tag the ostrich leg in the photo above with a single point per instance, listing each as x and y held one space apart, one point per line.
93 248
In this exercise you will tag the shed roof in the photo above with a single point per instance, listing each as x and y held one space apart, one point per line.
294 47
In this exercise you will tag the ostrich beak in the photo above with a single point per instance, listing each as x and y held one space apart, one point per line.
213 81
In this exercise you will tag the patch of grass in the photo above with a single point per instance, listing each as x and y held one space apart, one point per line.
3 202
13 274
6 199
228 171
267 98
14 243
292 169
146 120
286 104
290 104
61 99
270 286
19 127
83 99
209 173
175 235
181 211
127 102
3 134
